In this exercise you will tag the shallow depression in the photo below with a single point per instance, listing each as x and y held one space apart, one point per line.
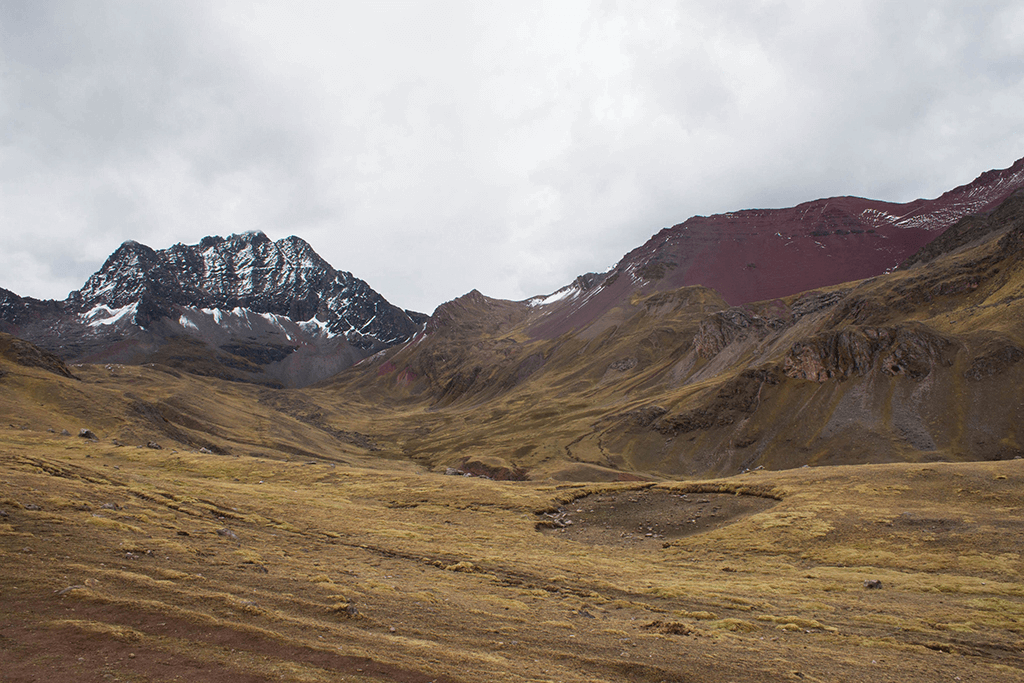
648 516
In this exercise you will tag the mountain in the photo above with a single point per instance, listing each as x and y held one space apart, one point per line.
241 307
919 364
254 528
617 375
765 254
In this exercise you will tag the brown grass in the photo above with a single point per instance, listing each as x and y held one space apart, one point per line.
446 576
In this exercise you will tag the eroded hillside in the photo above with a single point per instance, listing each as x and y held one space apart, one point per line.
920 364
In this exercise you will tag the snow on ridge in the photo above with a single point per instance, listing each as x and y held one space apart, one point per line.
315 326
105 315
217 314
187 324
564 293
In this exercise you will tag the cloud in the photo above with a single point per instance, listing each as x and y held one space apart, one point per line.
432 148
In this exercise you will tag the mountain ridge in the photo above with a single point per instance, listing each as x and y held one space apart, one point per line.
764 254
276 312
254 301
919 364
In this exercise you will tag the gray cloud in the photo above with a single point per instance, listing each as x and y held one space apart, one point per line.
431 148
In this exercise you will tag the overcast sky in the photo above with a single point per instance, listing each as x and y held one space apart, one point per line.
435 147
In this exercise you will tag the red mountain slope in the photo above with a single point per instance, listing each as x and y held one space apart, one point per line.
764 254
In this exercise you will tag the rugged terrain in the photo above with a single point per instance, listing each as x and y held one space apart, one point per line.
922 364
651 484
243 308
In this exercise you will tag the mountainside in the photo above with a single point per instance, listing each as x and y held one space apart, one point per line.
764 254
919 364
617 375
159 522
241 307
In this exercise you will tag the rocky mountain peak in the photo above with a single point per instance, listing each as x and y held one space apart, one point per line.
255 298
284 277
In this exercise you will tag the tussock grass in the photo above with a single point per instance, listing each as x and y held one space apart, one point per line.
455 566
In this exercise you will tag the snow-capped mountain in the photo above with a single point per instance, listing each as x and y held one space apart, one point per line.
285 278
272 310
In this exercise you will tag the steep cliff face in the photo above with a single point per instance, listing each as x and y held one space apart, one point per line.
719 330
253 302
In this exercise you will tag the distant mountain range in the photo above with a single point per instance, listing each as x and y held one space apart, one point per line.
274 312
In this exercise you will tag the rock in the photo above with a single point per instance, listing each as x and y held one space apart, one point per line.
87 434
32 506
154 445
624 364
645 416
720 329
227 533
873 583
911 350
206 451
65 432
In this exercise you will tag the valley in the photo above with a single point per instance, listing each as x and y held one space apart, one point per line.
231 462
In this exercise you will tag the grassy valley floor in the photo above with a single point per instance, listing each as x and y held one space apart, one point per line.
129 564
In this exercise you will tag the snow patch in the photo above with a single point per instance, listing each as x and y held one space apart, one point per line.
315 327
104 315
565 293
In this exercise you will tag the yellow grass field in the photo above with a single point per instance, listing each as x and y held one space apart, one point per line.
120 563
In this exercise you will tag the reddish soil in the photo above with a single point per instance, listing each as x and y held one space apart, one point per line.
31 650
766 254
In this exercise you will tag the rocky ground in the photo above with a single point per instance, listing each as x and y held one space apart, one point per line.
648 516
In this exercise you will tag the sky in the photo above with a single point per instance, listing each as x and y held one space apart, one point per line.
434 147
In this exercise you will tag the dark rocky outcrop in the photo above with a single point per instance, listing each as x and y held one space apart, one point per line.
723 328
29 355
910 350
